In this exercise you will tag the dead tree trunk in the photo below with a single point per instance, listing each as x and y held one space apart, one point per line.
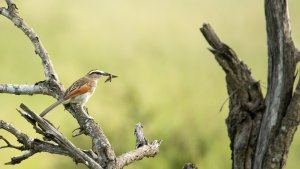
261 129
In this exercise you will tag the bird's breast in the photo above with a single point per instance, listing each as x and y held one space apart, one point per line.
81 99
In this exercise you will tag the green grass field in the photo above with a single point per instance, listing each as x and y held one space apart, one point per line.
168 80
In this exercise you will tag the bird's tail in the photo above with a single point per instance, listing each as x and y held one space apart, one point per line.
48 109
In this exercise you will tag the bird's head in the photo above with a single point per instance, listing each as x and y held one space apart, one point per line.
98 73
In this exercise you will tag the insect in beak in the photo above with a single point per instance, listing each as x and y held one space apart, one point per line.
110 76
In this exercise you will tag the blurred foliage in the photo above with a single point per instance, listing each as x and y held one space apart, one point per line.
167 78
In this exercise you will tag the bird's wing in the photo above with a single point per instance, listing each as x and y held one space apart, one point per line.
79 87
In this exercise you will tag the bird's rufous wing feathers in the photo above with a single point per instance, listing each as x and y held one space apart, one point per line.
79 87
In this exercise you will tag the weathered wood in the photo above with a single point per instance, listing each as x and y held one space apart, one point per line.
281 69
100 143
149 150
261 140
246 103
51 132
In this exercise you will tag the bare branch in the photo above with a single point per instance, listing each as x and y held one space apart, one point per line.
211 37
143 149
149 150
101 145
10 13
22 137
33 145
9 145
20 158
56 136
24 89
11 6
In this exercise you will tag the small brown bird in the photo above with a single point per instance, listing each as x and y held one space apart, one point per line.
81 90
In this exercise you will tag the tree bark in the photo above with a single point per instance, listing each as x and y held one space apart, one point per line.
246 102
281 69
261 129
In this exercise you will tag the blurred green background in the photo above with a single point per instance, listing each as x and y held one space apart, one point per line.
168 80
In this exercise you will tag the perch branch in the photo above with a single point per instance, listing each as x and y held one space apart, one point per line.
246 103
100 143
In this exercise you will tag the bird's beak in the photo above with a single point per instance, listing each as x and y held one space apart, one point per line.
110 76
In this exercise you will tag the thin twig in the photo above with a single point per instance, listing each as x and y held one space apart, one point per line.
9 145
231 94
